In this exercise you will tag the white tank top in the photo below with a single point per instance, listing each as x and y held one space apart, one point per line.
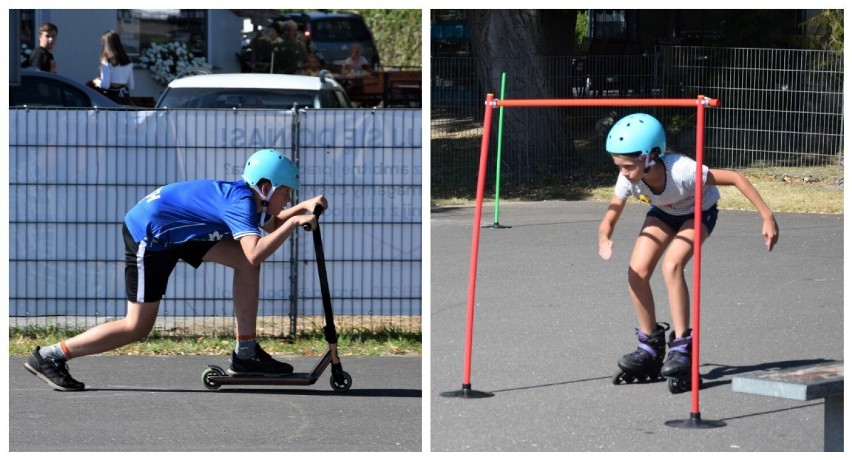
678 196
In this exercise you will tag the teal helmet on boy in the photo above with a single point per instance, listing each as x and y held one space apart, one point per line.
273 166
637 133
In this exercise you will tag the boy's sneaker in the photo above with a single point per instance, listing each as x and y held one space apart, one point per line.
55 373
259 364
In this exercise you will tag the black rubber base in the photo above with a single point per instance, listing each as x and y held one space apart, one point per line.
695 421
467 393
496 226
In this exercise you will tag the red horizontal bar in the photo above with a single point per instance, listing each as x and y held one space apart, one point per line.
606 102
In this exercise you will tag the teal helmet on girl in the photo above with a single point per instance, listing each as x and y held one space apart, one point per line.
273 166
638 133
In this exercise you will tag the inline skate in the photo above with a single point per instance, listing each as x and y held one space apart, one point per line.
678 365
646 361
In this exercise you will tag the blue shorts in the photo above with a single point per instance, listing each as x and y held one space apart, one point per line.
708 218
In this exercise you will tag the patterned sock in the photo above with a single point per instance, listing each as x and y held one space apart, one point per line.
245 346
54 352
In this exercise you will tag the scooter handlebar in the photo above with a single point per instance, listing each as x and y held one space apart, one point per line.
318 210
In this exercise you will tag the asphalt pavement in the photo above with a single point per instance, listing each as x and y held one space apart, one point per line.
552 319
159 404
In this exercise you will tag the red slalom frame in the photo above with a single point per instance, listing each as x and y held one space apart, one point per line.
700 103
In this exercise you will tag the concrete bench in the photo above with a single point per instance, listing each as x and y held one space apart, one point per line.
824 380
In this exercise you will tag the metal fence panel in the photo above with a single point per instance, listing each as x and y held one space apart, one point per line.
779 108
75 173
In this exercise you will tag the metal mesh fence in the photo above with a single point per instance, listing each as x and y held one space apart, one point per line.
75 173
780 108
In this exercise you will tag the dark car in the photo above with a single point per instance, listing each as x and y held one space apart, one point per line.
331 35
45 89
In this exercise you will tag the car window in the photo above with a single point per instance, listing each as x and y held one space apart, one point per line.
244 98
339 30
35 92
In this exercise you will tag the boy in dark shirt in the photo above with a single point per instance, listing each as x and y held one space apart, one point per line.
42 57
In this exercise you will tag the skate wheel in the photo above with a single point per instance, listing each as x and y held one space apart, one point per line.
622 377
205 378
679 385
341 382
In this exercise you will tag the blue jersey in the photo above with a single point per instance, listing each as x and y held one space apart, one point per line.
201 210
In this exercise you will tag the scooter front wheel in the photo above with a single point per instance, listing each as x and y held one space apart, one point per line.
211 372
341 384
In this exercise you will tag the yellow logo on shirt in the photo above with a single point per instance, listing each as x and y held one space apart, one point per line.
645 199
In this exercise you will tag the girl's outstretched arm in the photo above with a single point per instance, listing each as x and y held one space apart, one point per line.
728 177
607 227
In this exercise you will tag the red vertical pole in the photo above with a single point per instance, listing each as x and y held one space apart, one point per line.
696 279
474 246
466 391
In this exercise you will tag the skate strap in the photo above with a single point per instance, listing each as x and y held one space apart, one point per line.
680 345
648 348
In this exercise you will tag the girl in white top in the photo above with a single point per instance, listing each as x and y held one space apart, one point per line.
637 144
116 70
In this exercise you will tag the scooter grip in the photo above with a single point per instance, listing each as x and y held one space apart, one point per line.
318 210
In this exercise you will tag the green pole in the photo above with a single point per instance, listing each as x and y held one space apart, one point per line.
499 150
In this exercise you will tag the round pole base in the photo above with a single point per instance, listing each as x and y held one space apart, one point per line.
496 225
467 393
695 421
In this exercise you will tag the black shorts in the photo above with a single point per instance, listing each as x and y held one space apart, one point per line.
708 218
155 267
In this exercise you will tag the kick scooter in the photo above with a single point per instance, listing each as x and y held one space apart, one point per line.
214 376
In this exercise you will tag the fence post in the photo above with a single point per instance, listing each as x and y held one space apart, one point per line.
294 243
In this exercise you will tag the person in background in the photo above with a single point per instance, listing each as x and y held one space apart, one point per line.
312 66
116 69
289 56
42 57
356 64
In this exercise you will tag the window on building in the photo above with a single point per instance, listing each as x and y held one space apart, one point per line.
29 33
609 24
140 28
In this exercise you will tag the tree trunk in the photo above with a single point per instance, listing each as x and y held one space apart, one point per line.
524 44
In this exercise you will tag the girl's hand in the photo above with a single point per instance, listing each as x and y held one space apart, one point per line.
770 232
605 248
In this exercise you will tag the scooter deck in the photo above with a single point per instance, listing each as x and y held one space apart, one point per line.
297 378
340 381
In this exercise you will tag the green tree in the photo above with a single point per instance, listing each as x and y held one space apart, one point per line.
398 35
825 30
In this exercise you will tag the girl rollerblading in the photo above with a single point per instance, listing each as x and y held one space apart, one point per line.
666 182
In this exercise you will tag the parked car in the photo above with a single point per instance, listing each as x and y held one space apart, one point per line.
332 35
45 89
254 91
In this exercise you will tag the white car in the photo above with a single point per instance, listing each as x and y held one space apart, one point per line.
254 91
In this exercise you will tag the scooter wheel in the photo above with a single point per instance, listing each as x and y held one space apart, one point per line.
205 378
343 385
